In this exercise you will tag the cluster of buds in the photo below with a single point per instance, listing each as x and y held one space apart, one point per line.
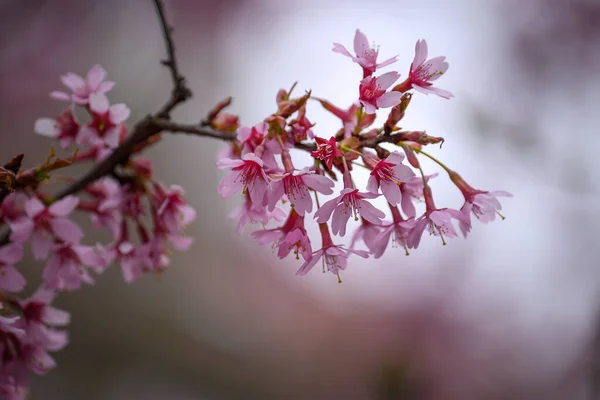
275 190
145 219
143 216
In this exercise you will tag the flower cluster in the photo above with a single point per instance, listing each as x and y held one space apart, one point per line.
261 168
144 218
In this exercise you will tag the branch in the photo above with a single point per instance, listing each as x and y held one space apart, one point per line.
180 92
8 175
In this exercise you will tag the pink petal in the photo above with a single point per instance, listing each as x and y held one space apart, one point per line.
99 103
395 157
64 207
372 184
389 99
324 213
407 206
56 317
339 220
338 48
10 279
420 53
361 44
369 108
119 113
66 230
403 173
180 243
95 76
72 81
21 230
307 266
369 212
230 184
46 127
386 80
11 253
41 243
57 95
320 183
391 191
105 87
440 218
33 207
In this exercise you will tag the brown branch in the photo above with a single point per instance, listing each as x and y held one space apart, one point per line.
8 175
180 92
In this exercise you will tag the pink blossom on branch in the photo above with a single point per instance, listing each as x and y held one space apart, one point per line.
372 92
11 279
295 186
327 151
81 89
366 56
64 128
387 175
247 175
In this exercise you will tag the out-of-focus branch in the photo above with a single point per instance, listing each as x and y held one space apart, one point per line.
8 175
180 92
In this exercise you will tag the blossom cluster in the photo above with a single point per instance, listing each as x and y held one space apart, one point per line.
143 217
277 191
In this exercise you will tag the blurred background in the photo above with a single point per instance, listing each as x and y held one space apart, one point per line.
511 313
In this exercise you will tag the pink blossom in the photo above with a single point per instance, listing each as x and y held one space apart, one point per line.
483 205
373 92
368 233
334 257
67 267
295 186
387 174
301 127
81 89
64 128
248 212
49 222
413 190
350 117
327 151
350 201
292 235
37 309
254 140
247 175
366 56
107 207
173 213
12 211
134 260
398 230
423 72
437 221
105 127
11 279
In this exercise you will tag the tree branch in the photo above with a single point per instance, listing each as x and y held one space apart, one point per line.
8 175
180 92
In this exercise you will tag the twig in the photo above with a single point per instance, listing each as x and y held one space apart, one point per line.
180 92
8 175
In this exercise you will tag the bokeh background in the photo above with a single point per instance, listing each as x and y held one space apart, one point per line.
511 313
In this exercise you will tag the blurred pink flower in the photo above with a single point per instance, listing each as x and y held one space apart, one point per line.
366 56
372 92
81 89
64 128
11 279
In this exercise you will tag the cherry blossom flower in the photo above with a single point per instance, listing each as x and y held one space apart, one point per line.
373 92
483 204
437 221
106 122
423 72
37 309
12 211
173 212
387 174
350 117
292 235
67 267
49 222
327 151
334 257
107 209
249 213
413 189
366 56
81 89
349 202
11 279
301 127
368 233
134 260
246 175
64 128
295 186
398 230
